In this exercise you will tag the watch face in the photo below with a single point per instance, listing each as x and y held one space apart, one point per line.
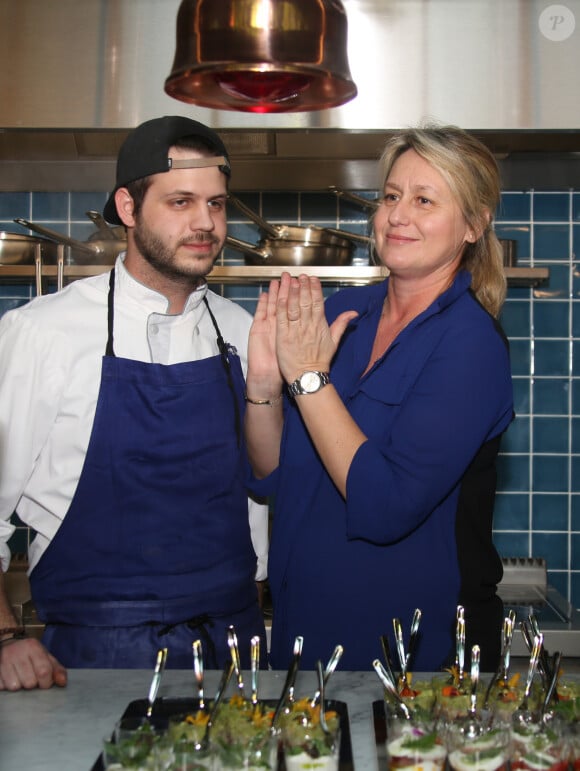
310 382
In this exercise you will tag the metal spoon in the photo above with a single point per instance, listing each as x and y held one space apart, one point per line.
323 723
413 635
388 657
502 672
460 645
255 667
223 684
522 713
551 690
154 687
235 654
398 630
391 687
198 670
330 667
290 678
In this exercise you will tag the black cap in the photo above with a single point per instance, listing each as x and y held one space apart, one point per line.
145 151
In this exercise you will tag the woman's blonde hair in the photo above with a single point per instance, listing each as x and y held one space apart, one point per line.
472 174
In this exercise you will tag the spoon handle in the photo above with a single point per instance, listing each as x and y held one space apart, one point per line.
255 666
388 658
198 670
322 718
390 686
460 642
475 656
290 678
223 684
398 630
330 667
159 667
413 637
235 654
538 641
507 635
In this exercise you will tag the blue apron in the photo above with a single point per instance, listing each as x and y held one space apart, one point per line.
155 549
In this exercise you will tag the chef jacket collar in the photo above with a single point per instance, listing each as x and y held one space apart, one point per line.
154 301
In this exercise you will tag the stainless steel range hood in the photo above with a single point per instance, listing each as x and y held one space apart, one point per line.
77 75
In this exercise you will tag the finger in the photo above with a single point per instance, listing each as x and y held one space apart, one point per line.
339 325
305 300
282 302
273 298
59 673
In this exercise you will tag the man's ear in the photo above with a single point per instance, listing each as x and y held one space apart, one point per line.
125 207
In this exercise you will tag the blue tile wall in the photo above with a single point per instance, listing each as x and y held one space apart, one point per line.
538 500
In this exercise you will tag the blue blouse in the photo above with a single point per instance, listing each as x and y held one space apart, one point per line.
415 529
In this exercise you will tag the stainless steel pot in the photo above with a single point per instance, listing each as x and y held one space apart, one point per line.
98 250
19 249
272 252
295 245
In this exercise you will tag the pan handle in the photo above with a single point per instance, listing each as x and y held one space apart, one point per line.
271 230
243 246
57 236
366 203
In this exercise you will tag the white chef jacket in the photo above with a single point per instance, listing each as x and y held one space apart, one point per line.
50 373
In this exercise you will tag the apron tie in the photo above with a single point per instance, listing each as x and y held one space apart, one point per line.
197 623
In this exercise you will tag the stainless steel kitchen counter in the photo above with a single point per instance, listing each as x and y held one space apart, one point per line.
61 729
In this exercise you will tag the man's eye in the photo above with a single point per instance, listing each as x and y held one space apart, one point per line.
390 198
217 205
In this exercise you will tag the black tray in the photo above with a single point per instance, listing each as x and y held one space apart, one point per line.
165 708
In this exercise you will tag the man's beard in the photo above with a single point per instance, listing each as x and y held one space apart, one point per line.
163 259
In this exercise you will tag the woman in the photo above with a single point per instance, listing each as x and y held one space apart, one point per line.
383 470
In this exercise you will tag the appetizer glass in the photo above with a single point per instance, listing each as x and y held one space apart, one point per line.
452 698
487 748
416 743
539 746
305 743
242 737
132 746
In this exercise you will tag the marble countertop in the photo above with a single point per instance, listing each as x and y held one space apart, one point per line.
62 729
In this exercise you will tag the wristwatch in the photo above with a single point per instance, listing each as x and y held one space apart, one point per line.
309 383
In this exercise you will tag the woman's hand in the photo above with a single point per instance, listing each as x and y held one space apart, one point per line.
304 341
264 380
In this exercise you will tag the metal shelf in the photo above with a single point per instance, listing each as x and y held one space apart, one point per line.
256 274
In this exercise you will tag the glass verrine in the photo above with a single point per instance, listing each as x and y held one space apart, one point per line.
539 747
478 746
305 743
131 747
452 697
416 743
242 737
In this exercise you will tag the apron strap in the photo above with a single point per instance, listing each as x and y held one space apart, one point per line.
109 351
223 349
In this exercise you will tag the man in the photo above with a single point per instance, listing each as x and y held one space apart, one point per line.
121 409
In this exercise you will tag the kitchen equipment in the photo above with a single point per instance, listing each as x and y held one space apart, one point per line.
525 590
261 56
198 670
19 249
295 245
104 230
101 251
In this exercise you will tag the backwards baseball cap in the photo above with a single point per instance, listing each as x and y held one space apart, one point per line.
145 151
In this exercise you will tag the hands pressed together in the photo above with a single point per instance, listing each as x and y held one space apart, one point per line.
290 333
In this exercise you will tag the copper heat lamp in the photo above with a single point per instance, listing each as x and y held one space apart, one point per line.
261 56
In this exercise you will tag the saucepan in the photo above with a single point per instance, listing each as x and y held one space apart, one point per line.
295 245
19 249
100 248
